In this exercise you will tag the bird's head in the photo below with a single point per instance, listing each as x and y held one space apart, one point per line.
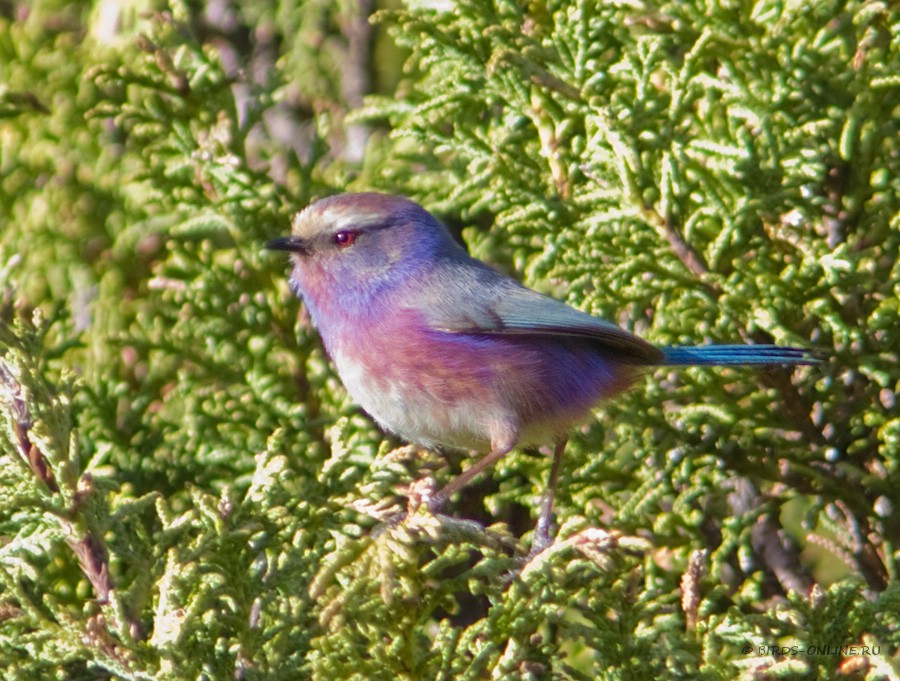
359 244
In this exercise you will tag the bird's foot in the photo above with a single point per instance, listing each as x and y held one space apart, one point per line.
542 538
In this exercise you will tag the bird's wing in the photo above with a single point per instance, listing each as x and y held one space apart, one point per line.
481 301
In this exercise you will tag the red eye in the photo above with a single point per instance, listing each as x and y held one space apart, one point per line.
345 237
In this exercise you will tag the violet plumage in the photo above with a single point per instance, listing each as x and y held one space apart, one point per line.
444 351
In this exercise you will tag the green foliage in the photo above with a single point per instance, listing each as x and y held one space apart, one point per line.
186 492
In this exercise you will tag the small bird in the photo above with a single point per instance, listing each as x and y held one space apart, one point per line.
443 350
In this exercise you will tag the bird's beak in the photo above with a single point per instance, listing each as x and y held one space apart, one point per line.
294 244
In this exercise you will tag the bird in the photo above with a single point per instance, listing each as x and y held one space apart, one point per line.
444 351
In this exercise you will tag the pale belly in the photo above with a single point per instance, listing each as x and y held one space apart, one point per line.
416 415
478 392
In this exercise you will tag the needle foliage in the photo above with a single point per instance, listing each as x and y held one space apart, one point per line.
186 490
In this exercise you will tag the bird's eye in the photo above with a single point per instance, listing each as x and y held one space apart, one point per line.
345 237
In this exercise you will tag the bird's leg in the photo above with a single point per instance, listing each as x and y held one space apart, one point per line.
464 478
542 530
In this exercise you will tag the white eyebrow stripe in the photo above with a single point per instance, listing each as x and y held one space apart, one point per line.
353 220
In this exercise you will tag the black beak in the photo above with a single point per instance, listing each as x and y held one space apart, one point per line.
294 244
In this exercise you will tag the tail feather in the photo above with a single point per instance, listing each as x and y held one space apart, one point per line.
736 355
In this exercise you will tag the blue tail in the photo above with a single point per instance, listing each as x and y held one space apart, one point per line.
735 355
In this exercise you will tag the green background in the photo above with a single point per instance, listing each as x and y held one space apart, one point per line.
186 490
